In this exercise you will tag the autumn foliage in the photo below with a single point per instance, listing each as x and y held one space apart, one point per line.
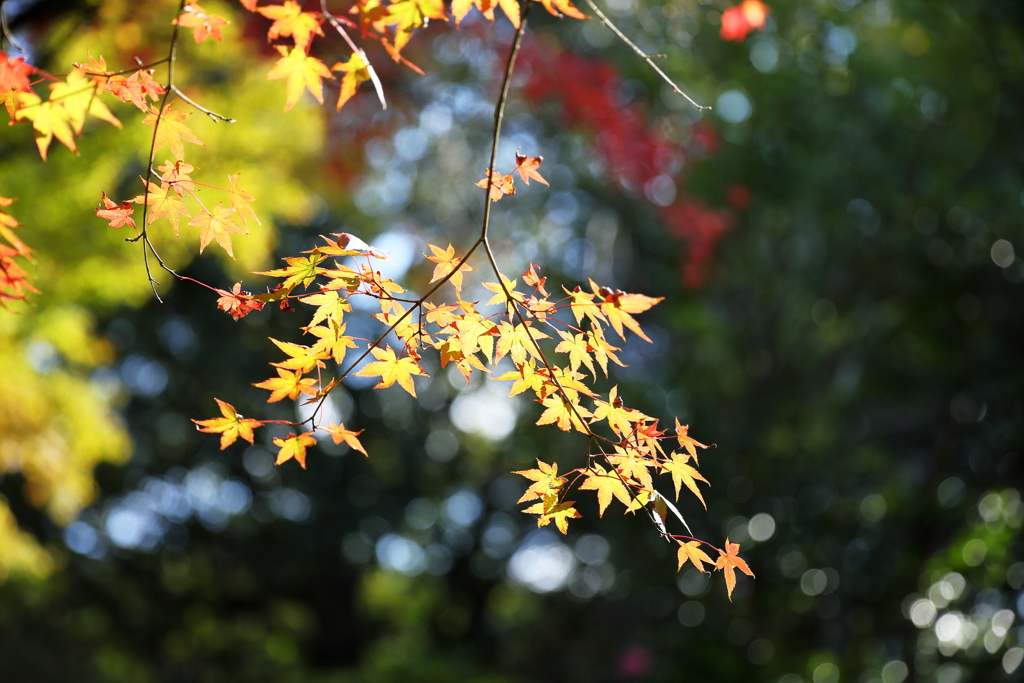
559 340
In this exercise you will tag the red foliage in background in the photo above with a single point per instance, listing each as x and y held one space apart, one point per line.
638 157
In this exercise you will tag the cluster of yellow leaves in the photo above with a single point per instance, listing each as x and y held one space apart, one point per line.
392 23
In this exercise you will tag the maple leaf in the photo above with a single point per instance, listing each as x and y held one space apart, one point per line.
532 278
510 7
230 427
176 175
240 201
290 20
516 342
77 96
407 15
339 434
607 485
526 378
249 4
294 447
501 185
442 316
619 418
578 349
691 446
559 7
49 120
633 465
171 131
684 474
618 306
499 292
203 25
330 305
347 244
527 168
582 304
392 369
729 561
301 358
447 262
287 385
332 340
237 303
118 215
215 225
550 510
14 74
691 552
601 349
303 73
299 269
356 70
163 204
560 412
545 478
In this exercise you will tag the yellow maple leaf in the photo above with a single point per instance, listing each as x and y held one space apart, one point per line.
392 369
287 385
301 358
560 412
550 510
684 474
356 70
294 447
230 427
303 73
607 485
49 120
545 478
171 131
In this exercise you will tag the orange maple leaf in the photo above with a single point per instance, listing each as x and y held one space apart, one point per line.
203 25
447 262
685 441
691 552
339 434
215 225
119 215
560 7
294 447
290 20
501 185
729 561
527 168
303 73
510 7
230 427
237 303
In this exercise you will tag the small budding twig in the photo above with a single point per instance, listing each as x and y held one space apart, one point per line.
647 58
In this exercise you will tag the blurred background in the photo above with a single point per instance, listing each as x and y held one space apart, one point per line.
837 242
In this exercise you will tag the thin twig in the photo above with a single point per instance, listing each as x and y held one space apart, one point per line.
615 29
212 114
356 49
